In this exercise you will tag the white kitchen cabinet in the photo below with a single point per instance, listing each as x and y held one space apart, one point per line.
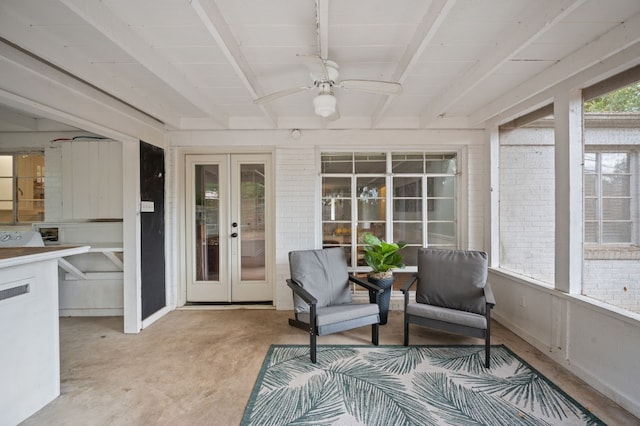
91 175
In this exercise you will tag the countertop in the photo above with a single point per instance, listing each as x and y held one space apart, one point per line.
11 256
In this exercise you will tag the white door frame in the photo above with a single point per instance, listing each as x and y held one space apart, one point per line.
187 159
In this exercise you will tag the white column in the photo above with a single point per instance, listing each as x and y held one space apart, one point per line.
568 182
492 206
131 236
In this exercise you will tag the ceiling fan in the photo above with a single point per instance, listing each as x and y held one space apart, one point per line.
324 76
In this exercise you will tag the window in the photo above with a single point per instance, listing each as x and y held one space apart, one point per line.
401 197
527 196
607 198
21 188
611 256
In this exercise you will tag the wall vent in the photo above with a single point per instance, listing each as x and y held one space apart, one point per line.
14 291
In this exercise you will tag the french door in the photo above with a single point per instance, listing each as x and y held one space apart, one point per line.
229 232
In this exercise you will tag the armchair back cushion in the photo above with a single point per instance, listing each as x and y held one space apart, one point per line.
452 279
323 273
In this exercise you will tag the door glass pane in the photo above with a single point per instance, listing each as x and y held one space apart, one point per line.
207 222
252 211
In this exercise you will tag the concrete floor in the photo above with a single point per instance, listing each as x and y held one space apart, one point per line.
198 367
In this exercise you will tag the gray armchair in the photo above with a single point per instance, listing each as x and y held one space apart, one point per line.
452 295
322 297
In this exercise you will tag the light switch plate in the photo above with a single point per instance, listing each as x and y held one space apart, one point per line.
147 207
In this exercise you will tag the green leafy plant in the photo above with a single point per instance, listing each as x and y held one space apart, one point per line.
380 255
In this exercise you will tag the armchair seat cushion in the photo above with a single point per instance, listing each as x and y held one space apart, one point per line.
340 313
438 313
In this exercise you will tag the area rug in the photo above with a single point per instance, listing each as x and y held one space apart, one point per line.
397 385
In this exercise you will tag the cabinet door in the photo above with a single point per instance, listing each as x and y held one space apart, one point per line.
92 180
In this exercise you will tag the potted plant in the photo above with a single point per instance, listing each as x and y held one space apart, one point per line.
382 257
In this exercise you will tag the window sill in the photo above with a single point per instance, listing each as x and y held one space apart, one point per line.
613 252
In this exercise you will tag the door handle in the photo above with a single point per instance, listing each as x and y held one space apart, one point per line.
234 235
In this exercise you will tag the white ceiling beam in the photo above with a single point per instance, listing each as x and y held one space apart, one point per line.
538 21
621 38
21 120
428 27
15 28
213 21
28 84
99 16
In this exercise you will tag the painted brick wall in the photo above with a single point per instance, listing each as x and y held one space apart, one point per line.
477 197
296 180
527 204
527 207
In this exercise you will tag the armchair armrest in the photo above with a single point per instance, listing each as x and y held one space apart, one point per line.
366 284
488 295
406 286
300 291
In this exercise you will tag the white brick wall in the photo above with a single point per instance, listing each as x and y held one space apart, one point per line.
527 217
527 210
296 179
476 198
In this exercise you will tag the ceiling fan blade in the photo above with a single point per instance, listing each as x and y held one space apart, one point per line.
372 86
279 94
316 66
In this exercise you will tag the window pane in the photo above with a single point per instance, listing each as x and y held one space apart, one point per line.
6 189
616 186
333 187
441 234
370 188
407 163
337 163
409 233
336 209
31 211
6 214
407 209
407 187
6 165
371 210
370 163
616 209
590 187
441 164
590 162
441 186
442 210
590 209
616 232
410 255
591 232
615 162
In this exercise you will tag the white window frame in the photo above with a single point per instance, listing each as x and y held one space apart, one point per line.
633 195
460 189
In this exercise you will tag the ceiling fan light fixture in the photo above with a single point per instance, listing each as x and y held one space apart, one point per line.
324 104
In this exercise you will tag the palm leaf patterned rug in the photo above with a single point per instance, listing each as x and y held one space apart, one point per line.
397 385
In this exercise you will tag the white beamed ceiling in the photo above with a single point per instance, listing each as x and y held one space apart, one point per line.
199 64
